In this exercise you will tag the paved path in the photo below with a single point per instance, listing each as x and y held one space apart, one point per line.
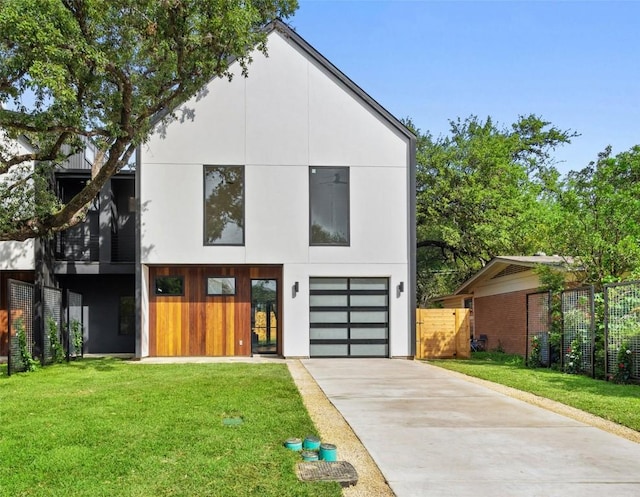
434 434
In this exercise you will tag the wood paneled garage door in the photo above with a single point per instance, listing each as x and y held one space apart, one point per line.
205 311
349 317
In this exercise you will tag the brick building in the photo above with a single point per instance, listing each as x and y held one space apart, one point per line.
497 295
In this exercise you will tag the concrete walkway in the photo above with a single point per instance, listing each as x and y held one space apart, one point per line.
434 434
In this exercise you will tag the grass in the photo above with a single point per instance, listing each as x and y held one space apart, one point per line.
617 403
110 428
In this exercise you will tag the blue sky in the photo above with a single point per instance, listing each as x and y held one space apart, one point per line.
575 64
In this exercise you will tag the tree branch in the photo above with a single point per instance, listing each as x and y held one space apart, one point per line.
50 155
437 244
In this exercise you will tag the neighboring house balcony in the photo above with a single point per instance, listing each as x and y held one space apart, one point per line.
77 244
85 247
105 241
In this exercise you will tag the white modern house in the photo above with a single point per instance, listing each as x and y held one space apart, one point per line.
276 215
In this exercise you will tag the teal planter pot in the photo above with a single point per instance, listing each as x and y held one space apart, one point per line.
328 452
311 443
309 456
293 444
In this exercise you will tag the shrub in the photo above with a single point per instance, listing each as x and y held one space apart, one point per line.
573 357
57 351
76 336
27 360
535 358
624 364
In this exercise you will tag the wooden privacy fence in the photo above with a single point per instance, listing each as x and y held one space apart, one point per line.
442 333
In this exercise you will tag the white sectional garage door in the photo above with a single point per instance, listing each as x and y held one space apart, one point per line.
349 317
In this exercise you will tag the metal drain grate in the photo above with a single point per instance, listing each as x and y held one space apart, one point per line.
340 471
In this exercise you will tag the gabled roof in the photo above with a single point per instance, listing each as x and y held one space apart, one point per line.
289 32
317 57
503 263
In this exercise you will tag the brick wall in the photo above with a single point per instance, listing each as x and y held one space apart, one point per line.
503 318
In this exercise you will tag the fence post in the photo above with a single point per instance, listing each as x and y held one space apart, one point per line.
38 322
66 328
550 323
9 326
592 297
605 291
526 335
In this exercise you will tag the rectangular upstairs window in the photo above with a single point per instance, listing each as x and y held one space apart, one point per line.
329 206
224 205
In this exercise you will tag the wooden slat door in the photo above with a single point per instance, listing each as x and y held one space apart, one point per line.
442 333
197 324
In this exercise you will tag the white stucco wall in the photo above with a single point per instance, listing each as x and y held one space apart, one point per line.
288 115
296 311
16 255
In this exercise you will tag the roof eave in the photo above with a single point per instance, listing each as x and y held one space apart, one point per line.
464 288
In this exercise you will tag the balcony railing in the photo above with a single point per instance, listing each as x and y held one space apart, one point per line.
123 247
71 246
85 247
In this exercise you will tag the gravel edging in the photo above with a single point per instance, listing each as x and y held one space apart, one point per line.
333 428
551 405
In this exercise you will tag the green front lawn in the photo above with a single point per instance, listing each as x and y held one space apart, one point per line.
111 428
617 403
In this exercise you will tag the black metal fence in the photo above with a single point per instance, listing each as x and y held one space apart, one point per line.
52 334
622 326
20 307
36 327
599 334
538 328
75 325
578 330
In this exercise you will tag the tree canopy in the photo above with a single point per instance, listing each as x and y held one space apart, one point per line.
598 216
483 191
486 190
78 70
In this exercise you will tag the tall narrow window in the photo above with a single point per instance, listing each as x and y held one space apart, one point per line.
329 205
223 205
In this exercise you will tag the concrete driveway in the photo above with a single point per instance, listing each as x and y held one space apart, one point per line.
434 434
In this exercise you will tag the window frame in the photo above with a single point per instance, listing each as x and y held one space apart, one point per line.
160 276
205 241
346 243
206 286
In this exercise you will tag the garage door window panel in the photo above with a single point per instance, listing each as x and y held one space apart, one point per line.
349 317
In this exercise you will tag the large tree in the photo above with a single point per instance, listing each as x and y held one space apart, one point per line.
79 70
598 218
483 191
